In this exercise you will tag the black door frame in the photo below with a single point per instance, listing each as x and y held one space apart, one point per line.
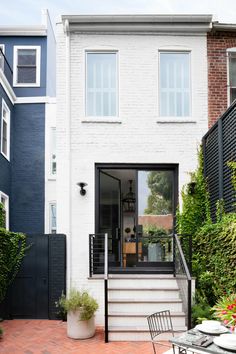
140 167
120 206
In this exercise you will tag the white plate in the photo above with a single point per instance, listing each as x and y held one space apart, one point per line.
203 329
223 344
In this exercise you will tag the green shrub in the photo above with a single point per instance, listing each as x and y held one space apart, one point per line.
214 258
201 311
1 332
79 300
61 312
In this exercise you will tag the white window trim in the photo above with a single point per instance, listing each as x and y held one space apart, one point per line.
3 50
38 66
50 218
8 121
6 197
171 51
229 50
96 119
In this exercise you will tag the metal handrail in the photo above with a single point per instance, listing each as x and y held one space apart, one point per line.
99 242
186 295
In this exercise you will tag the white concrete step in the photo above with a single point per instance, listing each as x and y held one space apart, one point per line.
145 307
156 282
119 319
144 293
137 333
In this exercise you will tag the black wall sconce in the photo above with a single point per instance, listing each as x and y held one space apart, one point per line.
82 185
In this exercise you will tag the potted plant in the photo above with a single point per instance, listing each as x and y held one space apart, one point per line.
80 308
225 310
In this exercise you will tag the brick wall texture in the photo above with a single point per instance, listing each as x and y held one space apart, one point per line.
217 45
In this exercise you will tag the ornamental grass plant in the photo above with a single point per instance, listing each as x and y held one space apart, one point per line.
79 300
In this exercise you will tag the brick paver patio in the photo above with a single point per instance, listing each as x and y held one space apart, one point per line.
49 337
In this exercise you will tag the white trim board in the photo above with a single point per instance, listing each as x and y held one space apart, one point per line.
36 99
7 87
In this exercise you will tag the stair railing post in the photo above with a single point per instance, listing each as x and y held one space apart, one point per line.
105 285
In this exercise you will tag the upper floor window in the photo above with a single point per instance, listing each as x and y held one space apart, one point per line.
231 75
4 199
5 130
26 66
101 84
174 84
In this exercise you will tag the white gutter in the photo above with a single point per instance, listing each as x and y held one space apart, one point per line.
68 120
23 30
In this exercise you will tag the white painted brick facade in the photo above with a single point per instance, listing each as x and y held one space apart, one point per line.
136 137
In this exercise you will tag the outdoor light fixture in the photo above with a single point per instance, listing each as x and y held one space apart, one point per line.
82 185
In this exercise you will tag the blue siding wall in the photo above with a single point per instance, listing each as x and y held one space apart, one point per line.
27 201
9 43
5 165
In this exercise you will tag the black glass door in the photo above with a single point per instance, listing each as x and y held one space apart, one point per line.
155 216
109 214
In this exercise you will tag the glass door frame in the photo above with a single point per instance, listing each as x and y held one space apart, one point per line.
137 167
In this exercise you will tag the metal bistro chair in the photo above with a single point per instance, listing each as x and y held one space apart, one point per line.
158 323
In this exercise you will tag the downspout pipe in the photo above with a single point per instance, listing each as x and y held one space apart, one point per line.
68 120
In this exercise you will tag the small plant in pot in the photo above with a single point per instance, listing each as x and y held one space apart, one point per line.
80 308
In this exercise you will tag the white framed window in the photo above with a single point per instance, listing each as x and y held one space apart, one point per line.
174 84
5 130
4 199
52 218
53 161
26 67
101 84
2 52
231 54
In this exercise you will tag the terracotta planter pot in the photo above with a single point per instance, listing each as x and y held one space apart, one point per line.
78 329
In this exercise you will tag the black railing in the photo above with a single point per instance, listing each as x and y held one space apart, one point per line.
156 247
186 242
98 264
6 68
183 277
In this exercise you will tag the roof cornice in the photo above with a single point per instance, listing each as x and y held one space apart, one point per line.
23 30
138 23
224 27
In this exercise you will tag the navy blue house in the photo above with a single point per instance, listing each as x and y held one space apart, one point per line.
27 87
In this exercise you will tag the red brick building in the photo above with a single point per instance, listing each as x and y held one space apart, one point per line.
221 51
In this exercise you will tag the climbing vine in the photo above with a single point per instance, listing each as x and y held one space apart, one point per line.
12 250
196 206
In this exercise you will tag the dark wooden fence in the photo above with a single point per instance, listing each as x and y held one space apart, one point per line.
219 147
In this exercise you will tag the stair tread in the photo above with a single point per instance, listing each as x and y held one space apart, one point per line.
139 314
143 289
140 329
141 276
175 300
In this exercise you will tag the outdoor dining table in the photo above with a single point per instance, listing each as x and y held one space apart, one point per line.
185 341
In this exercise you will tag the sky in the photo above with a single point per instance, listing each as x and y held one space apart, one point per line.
28 12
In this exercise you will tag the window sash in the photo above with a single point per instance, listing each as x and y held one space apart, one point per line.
101 84
232 75
5 130
4 199
26 71
174 84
